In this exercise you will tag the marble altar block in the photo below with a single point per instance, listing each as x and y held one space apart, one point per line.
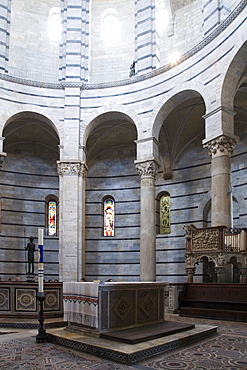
110 306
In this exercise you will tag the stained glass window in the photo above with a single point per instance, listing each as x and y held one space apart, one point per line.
109 216
165 221
52 217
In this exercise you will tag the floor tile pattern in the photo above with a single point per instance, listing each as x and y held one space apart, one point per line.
226 350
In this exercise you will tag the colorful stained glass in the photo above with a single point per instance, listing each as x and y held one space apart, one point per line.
52 218
165 222
109 217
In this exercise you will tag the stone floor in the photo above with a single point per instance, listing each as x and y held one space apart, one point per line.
226 350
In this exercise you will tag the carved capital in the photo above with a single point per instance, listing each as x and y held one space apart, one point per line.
147 169
222 145
73 168
83 170
2 158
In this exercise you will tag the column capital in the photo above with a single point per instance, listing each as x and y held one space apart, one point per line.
71 168
147 169
2 158
222 145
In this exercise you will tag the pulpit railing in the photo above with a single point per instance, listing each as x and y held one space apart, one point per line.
219 238
234 240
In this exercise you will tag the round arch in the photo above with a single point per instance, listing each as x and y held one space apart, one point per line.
15 114
235 75
105 113
174 98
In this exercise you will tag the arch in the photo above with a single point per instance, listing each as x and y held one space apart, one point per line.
236 72
109 111
178 123
174 98
103 115
12 114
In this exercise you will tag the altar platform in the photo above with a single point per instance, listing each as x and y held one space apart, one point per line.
123 322
155 341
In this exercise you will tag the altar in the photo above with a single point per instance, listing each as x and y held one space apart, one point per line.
110 306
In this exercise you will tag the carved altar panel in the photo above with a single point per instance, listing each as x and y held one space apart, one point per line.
25 300
123 305
4 299
52 300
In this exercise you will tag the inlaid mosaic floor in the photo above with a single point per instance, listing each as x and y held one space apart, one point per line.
226 350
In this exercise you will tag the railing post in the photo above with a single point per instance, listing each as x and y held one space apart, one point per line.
221 238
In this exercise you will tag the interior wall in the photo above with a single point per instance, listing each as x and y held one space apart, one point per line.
112 62
113 173
28 176
32 55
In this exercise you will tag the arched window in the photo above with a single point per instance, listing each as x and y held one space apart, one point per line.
110 29
164 214
55 24
52 215
109 216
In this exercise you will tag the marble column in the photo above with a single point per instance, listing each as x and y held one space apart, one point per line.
220 271
220 149
190 273
70 219
147 171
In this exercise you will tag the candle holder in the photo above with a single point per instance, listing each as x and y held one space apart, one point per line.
42 336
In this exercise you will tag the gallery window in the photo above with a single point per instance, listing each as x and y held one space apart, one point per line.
55 24
164 214
110 28
52 216
109 216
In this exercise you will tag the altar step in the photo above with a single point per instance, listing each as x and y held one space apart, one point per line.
127 353
147 332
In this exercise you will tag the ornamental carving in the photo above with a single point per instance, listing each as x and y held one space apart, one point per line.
205 240
2 158
147 169
221 145
71 168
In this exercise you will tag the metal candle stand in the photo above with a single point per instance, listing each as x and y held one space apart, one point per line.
42 336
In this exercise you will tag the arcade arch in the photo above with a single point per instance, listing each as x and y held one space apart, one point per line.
30 173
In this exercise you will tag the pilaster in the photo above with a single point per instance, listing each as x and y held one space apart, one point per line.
214 12
76 45
147 48
5 10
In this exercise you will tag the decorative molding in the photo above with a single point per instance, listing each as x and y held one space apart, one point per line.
2 158
73 84
147 169
72 168
222 145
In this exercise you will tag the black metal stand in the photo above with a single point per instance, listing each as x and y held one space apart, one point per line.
42 336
